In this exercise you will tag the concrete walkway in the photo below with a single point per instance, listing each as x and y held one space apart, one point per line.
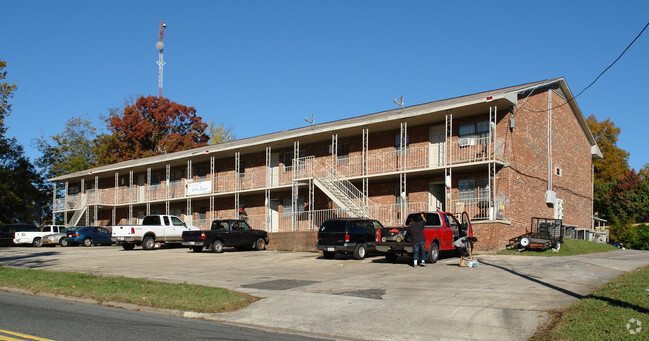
505 298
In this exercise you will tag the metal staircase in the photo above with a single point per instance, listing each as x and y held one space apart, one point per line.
83 203
342 192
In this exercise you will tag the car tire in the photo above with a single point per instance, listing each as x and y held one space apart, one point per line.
524 242
557 246
260 244
360 251
197 248
328 254
391 257
37 242
433 253
217 246
128 246
148 243
87 242
63 242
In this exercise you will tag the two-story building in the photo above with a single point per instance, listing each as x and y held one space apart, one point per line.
503 156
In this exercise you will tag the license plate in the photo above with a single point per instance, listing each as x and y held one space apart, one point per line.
120 238
331 249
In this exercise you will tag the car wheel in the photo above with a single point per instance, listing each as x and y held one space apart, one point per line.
63 242
557 246
128 246
37 242
360 251
87 242
433 253
391 257
148 243
260 244
328 254
217 246
525 242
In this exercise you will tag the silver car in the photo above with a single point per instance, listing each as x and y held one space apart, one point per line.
56 238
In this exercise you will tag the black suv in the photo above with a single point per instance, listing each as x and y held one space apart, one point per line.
353 235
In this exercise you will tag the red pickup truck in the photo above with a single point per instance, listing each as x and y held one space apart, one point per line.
441 230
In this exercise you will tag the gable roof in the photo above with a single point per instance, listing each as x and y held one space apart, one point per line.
507 95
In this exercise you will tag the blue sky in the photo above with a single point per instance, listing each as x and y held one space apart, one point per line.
263 66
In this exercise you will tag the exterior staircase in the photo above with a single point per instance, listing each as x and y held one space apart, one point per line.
78 214
342 192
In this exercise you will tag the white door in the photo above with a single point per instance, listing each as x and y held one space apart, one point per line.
274 216
437 136
274 169
140 188
436 196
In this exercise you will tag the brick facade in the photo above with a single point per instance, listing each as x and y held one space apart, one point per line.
516 163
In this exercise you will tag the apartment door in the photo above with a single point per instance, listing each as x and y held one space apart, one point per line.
141 188
437 137
274 169
437 196
274 216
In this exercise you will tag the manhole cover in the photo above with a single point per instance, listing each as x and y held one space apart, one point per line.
279 284
376 294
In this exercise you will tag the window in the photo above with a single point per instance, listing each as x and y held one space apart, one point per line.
176 222
470 133
155 180
288 158
202 171
397 197
288 210
468 189
433 219
397 143
242 168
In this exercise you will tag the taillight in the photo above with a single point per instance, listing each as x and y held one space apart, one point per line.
203 236
132 230
347 237
75 235
378 235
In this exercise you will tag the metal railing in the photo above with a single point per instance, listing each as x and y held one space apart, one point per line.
481 208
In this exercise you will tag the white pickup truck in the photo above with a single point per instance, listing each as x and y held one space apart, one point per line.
155 229
36 237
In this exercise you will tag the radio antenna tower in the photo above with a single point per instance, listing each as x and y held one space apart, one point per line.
160 46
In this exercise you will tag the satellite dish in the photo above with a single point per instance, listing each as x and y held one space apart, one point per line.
160 46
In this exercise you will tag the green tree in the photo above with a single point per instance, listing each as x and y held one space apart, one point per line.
23 194
616 160
75 149
153 126
219 133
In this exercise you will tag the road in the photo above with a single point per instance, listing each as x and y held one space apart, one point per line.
505 298
56 319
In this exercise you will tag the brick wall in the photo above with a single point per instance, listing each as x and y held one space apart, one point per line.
292 241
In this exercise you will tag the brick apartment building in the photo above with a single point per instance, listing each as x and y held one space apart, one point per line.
503 156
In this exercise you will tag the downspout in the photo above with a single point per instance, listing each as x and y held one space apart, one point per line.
549 139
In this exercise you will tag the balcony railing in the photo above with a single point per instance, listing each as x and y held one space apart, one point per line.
462 150
481 208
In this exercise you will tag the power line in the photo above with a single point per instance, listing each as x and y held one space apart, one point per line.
600 75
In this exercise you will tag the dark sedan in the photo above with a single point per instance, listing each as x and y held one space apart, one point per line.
87 236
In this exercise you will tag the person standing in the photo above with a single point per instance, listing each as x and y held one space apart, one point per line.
416 231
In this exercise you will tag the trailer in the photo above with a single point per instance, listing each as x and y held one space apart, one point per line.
544 233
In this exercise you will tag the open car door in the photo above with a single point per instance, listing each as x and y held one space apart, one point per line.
466 224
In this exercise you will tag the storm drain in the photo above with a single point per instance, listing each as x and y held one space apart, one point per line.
376 294
279 284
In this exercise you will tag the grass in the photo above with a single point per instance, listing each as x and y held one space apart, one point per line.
604 313
186 297
569 247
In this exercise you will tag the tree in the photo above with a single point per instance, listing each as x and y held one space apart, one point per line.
23 194
616 160
219 134
75 149
153 126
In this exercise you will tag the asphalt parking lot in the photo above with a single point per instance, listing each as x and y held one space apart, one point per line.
505 298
